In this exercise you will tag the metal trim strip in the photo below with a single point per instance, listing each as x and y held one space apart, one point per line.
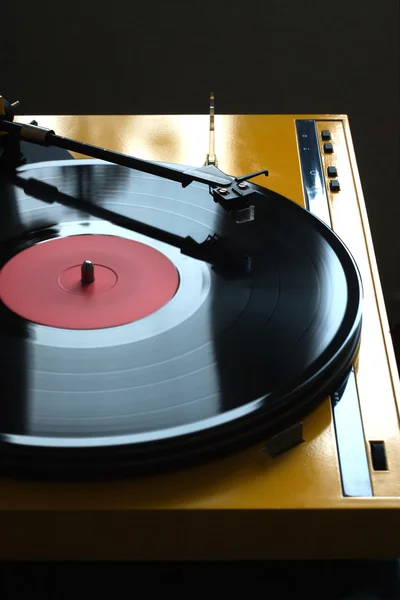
350 442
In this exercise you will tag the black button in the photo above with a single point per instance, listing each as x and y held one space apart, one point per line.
378 456
334 185
332 171
328 148
325 134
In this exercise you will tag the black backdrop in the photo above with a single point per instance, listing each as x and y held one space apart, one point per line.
268 56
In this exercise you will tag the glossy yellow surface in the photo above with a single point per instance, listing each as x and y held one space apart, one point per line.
295 500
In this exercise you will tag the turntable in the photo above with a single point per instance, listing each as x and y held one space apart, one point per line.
196 361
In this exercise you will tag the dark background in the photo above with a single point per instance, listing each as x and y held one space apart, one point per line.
281 56
304 56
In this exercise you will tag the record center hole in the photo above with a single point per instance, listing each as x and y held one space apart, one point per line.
70 280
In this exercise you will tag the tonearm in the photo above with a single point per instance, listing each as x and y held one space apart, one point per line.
234 194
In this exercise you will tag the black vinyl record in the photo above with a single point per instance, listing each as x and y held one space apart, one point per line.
227 362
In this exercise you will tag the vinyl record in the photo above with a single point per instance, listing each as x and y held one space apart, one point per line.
164 361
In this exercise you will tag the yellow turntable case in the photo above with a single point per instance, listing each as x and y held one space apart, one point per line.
248 505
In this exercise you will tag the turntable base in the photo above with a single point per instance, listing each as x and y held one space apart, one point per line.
336 494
